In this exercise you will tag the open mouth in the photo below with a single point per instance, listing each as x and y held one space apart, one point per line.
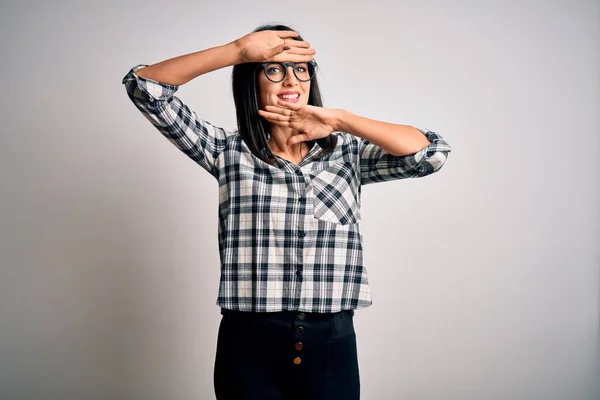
292 98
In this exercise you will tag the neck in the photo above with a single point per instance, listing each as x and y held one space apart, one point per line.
278 143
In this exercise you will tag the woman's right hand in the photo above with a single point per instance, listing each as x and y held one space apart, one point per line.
270 46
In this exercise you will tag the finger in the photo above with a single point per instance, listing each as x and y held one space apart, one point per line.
297 43
285 57
273 116
278 110
301 51
276 52
280 123
287 104
277 122
285 51
287 34
302 137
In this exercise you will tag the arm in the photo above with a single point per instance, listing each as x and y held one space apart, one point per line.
151 89
385 151
179 70
198 139
253 47
397 140
391 151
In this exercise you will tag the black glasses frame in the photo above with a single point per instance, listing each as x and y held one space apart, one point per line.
312 64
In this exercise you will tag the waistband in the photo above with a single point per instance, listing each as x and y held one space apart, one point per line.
308 315
336 325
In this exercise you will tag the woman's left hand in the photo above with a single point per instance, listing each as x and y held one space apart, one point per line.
312 122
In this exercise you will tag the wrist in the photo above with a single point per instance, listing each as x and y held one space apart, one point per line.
338 120
234 52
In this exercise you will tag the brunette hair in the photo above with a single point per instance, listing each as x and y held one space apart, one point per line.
252 127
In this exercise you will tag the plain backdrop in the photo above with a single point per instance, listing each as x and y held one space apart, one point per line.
484 276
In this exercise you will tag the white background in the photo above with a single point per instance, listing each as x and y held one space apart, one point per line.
485 276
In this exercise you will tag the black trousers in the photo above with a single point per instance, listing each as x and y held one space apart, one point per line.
286 356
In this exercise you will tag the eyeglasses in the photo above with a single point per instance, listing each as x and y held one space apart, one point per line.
276 72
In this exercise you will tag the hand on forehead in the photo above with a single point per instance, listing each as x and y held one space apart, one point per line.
296 50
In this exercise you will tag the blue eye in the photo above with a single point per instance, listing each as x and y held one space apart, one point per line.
273 70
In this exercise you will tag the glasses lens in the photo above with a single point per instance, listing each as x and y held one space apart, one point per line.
275 71
303 71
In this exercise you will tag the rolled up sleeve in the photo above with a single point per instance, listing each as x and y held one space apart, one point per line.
197 138
377 165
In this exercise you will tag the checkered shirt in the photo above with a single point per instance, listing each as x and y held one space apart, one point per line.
289 235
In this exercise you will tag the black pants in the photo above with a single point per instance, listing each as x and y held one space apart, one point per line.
286 356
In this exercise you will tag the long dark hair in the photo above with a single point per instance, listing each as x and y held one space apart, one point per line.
252 127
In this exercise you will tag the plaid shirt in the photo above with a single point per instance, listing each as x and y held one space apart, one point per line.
289 235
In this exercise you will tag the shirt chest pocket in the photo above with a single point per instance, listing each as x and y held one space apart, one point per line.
336 194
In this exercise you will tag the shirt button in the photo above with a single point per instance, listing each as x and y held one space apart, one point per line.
301 234
299 273
301 315
302 199
300 330
297 360
299 346
298 172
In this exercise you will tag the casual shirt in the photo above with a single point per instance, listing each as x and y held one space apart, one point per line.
289 235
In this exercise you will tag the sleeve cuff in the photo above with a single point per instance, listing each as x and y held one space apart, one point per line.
437 142
154 90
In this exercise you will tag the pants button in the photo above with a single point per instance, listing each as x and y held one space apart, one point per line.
299 346
297 360
300 330
301 315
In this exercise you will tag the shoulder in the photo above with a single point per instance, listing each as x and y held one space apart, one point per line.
347 141
231 136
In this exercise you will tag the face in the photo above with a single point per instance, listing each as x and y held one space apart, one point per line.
290 89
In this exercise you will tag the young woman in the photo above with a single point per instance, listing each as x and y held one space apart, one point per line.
289 181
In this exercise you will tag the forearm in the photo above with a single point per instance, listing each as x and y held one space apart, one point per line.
182 69
396 139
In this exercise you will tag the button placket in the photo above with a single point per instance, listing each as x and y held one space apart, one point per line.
300 189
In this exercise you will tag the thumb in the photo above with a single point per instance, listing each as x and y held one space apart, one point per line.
302 137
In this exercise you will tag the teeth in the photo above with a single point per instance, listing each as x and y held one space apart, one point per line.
289 96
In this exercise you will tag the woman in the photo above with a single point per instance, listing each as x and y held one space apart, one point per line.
289 180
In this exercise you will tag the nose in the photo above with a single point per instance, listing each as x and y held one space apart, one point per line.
290 77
